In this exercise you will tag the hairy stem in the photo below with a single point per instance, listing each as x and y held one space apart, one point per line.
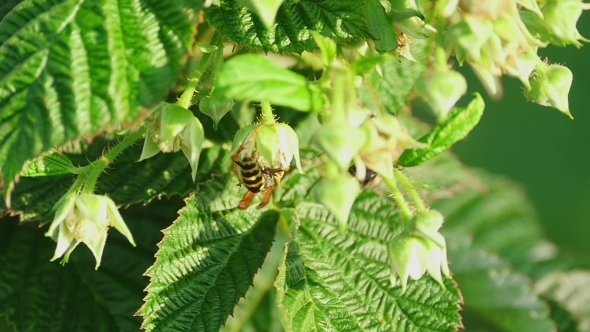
405 181
267 115
98 166
398 197
186 98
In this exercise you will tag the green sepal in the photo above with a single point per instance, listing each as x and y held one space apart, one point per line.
550 86
327 46
216 106
193 137
337 194
173 120
340 143
441 89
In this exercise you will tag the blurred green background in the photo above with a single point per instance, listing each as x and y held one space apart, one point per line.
541 148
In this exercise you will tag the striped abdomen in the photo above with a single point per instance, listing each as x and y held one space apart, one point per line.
251 174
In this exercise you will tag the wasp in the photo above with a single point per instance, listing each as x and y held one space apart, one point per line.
257 178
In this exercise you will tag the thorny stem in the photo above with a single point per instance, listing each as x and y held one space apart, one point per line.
187 95
404 181
267 116
98 166
399 198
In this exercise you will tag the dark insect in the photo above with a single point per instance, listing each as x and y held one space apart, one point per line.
257 179
370 180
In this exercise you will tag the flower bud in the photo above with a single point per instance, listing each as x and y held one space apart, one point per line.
560 18
340 143
420 249
337 194
550 85
85 218
441 89
273 145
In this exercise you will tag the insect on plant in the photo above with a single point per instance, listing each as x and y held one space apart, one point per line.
257 178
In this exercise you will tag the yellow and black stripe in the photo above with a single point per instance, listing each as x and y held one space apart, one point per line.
251 174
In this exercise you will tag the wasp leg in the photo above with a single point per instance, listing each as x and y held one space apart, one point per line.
266 198
246 200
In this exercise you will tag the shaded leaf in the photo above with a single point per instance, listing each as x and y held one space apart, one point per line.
38 295
206 261
340 20
491 288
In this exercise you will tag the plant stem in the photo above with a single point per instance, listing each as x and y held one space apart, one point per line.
398 197
267 116
98 166
405 181
186 98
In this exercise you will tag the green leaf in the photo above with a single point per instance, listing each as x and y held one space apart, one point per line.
50 164
492 289
206 261
251 77
340 20
71 68
39 295
257 311
388 87
381 27
265 9
496 215
453 129
7 6
125 181
340 281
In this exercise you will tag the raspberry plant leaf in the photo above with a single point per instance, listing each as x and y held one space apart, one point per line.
319 286
493 290
453 129
206 260
388 87
340 20
251 77
77 67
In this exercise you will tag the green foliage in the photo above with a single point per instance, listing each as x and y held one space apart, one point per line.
295 20
321 265
70 69
309 247
453 129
